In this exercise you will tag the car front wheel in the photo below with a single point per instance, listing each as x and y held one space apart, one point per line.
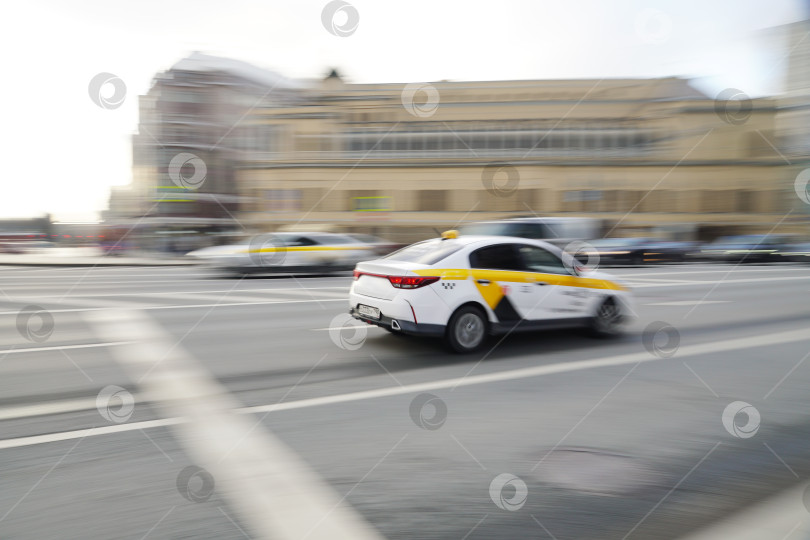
466 330
607 321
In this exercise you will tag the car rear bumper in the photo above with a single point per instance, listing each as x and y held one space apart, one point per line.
405 326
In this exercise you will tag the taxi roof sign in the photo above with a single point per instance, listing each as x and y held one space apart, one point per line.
452 233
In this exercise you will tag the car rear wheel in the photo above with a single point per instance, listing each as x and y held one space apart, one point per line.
466 330
607 321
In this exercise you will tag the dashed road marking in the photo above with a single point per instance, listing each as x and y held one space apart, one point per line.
62 347
278 495
44 409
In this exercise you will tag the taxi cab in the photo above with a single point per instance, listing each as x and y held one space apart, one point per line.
287 252
465 288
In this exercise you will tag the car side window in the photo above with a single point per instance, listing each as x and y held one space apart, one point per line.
540 260
497 257
302 241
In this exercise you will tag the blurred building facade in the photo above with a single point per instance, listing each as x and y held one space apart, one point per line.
644 155
650 155
794 111
794 116
189 141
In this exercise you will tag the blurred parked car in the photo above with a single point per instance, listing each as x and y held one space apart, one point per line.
799 252
638 251
12 247
35 246
381 246
23 242
749 248
287 253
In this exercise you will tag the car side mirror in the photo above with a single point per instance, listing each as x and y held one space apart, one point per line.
571 264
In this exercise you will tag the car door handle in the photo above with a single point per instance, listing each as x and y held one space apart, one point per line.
483 281
541 283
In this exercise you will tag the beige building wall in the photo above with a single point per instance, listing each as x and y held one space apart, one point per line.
642 155
793 119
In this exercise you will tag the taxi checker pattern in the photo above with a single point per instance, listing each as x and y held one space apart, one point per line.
448 284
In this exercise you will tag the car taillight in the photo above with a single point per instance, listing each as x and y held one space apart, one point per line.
408 282
400 282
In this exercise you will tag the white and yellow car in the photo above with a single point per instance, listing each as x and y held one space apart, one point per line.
287 253
466 288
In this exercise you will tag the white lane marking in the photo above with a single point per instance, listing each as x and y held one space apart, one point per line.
87 284
101 272
562 367
81 301
328 294
43 409
91 432
237 297
719 282
762 340
698 271
169 293
24 274
655 280
190 306
277 493
63 347
101 283
688 302
776 517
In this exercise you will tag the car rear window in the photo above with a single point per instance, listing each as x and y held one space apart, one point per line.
497 257
427 252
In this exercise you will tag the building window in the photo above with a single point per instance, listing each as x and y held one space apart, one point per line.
432 200
745 201
630 200
500 137
709 200
610 202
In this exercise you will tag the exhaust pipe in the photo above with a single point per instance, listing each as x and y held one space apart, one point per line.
395 324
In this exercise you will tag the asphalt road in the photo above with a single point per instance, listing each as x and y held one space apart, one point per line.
174 403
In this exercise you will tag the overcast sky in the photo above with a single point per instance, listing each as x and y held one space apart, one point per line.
62 152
